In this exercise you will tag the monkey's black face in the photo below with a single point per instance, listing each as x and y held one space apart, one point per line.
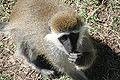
70 41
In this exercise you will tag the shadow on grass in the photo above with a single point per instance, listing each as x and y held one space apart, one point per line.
106 65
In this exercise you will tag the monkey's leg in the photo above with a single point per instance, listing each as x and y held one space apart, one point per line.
46 67
74 72
77 74
40 63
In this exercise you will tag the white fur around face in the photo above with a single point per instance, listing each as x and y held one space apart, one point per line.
53 38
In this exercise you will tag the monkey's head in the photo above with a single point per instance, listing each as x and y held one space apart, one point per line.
66 30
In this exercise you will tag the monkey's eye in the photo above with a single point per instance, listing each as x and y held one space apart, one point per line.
63 38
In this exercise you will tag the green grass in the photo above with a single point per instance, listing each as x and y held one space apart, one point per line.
5 9
114 4
4 76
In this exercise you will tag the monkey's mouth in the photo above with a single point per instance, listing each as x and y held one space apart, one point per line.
76 52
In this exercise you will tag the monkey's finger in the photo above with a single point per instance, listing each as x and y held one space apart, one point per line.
72 55
71 60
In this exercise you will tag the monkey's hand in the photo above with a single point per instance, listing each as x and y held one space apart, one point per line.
74 57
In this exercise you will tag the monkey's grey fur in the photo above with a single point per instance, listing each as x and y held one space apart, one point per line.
28 26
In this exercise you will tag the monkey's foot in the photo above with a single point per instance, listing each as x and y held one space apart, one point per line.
52 74
73 57
48 73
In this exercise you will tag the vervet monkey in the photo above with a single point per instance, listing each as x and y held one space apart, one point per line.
51 37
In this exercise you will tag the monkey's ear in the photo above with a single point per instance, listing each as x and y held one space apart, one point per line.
3 25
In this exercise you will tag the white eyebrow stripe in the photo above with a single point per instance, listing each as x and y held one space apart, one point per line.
59 34
64 33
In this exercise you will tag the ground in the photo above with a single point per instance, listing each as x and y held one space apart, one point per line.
104 18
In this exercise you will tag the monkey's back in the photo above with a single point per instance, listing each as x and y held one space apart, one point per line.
29 19
35 14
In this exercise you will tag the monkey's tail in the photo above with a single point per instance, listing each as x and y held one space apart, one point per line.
77 75
5 29
2 26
